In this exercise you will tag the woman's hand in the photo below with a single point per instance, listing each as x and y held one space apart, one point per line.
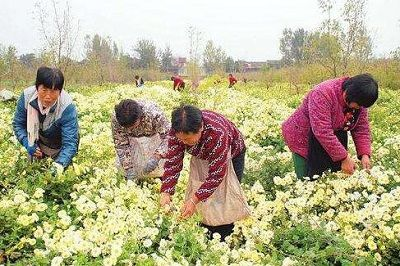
365 162
348 165
165 199
38 153
189 208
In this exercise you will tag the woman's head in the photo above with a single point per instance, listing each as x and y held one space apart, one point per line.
187 123
49 83
360 90
128 113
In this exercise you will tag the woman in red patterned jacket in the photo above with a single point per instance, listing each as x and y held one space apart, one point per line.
209 136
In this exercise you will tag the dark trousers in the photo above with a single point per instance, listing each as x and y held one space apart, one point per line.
318 159
227 229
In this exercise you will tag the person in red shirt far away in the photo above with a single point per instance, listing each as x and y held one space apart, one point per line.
232 80
179 84
216 168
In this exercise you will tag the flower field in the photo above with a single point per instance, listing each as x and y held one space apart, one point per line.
90 215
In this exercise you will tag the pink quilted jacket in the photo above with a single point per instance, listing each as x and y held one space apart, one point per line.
322 112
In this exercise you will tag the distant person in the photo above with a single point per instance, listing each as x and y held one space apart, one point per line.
46 121
217 81
139 81
317 132
179 84
232 80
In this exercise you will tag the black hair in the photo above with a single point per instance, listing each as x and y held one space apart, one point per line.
187 119
51 78
172 78
361 89
136 77
128 112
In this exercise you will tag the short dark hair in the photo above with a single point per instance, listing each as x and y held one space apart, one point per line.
51 78
128 112
187 119
361 89
136 77
172 78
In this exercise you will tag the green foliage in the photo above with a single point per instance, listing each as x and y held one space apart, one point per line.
314 246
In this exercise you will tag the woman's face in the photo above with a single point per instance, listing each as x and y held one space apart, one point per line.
189 139
47 96
134 125
352 105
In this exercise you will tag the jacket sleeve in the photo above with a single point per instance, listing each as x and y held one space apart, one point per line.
121 143
321 125
217 167
361 134
173 164
20 120
69 136
162 126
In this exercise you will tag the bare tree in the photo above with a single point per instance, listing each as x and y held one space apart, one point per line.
356 43
58 30
326 6
341 41
194 70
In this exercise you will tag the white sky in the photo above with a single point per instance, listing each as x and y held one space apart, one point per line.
248 30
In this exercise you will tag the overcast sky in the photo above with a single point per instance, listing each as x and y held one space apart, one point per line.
248 30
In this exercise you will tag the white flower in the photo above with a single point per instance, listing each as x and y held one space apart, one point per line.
18 199
40 253
38 193
56 261
288 262
95 252
41 207
38 232
147 243
47 227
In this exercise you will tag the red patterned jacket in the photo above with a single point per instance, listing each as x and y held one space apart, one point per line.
219 135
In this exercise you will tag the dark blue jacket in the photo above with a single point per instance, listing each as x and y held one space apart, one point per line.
58 126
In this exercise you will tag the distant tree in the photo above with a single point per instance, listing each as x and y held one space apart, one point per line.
324 49
166 58
101 57
292 46
10 65
147 54
229 65
214 58
28 60
348 38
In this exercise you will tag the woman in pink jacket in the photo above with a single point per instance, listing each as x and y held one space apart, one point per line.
316 132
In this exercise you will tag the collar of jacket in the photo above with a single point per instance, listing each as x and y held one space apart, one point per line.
339 92
35 105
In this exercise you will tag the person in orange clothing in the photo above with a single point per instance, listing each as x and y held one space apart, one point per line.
179 84
232 80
